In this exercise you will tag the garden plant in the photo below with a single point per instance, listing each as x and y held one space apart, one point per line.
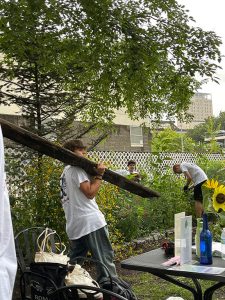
34 197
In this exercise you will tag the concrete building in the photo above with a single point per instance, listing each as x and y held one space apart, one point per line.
201 108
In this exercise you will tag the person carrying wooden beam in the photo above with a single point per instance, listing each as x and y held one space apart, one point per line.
85 224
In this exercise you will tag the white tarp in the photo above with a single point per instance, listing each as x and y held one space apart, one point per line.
8 263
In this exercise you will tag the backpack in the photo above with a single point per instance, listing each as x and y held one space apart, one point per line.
44 278
118 286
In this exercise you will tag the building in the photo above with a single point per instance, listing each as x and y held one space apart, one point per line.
201 109
126 134
134 135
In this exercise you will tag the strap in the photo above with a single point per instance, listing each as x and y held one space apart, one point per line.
98 262
38 239
42 246
58 248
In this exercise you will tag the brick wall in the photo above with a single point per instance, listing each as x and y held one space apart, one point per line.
119 140
17 120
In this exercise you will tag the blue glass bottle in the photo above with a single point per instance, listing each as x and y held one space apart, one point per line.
205 243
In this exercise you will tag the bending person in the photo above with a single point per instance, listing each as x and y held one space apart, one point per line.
193 174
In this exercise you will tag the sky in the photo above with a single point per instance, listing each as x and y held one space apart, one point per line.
209 15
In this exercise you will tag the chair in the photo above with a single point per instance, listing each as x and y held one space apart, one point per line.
35 286
77 292
26 245
114 285
41 280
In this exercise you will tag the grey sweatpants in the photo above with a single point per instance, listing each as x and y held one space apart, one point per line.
99 245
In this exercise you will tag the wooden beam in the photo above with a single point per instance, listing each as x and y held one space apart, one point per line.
43 146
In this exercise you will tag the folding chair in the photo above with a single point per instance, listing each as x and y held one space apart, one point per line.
76 292
26 245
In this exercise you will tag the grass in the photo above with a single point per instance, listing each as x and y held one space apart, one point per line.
150 287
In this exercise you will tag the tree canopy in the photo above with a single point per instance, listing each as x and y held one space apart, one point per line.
83 59
210 128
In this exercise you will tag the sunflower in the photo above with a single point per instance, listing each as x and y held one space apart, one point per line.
211 184
219 198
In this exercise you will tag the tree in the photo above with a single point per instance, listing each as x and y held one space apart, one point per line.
198 133
212 131
83 59
169 140
209 129
220 120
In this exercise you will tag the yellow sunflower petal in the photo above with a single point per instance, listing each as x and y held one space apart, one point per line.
211 184
219 198
214 183
207 184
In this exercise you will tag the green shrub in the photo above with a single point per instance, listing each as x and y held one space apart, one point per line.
35 201
34 194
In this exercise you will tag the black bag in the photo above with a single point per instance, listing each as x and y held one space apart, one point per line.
55 274
118 286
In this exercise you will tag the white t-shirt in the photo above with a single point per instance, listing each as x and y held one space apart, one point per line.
125 172
8 260
196 173
82 214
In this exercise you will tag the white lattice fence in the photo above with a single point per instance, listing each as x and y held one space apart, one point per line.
118 160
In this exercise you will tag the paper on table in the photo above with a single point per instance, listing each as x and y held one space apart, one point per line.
183 237
198 269
186 238
177 232
216 248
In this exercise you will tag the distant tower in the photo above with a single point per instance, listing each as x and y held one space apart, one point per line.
201 108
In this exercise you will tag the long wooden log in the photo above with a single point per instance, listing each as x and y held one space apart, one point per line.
43 146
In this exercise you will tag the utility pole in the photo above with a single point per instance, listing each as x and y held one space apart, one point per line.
182 140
